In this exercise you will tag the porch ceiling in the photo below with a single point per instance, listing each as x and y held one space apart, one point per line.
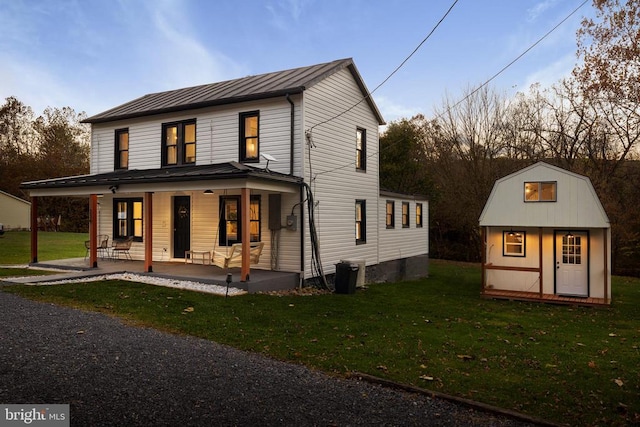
202 177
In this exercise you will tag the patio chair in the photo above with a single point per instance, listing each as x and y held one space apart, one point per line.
103 247
121 246
233 256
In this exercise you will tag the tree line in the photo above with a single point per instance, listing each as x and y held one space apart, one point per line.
588 123
54 144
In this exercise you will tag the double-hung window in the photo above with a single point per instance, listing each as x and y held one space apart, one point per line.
513 243
121 160
231 220
405 215
179 143
391 220
418 215
127 218
250 136
361 222
361 149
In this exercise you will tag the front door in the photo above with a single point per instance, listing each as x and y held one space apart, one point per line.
572 264
181 225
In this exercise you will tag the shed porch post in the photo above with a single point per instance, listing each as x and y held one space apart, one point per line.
483 244
245 203
540 263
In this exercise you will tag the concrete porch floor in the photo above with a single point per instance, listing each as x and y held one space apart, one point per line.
259 280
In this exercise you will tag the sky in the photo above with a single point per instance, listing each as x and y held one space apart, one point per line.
92 55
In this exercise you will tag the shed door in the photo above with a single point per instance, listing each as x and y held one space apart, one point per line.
572 266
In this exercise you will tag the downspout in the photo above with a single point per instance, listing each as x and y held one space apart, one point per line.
291 142
301 235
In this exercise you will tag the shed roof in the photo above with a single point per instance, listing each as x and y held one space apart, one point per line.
17 199
269 85
577 205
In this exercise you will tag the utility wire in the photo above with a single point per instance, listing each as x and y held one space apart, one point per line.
479 87
392 73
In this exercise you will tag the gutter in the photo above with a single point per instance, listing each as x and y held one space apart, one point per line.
291 142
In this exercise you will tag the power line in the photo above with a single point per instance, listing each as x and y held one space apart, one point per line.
483 84
392 73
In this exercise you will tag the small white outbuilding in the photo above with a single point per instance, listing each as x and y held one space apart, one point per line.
15 213
546 237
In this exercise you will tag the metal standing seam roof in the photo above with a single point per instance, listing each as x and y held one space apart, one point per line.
249 88
229 170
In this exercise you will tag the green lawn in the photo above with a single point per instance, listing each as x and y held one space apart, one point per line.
15 246
560 363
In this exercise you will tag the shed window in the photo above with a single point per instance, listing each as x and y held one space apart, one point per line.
540 191
513 243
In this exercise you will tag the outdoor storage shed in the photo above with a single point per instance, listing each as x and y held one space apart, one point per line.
546 237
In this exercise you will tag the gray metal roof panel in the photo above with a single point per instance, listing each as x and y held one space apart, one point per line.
226 92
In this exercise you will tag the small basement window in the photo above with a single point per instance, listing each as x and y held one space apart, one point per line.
513 243
540 191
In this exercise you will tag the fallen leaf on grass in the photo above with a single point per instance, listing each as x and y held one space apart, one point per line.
592 364
465 357
426 377
382 368
612 335
619 382
188 310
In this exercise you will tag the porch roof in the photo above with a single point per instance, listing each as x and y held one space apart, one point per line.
188 177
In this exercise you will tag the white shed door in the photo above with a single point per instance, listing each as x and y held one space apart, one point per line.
572 264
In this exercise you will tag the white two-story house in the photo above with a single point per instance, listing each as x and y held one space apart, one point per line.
288 158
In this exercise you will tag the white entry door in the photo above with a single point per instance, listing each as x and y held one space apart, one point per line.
572 266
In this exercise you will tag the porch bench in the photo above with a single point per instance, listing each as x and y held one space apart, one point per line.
233 257
191 255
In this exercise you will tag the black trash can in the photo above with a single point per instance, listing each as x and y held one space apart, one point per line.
346 278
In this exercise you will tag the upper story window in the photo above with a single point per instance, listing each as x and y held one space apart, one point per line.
250 136
513 243
179 143
121 160
391 220
540 191
361 222
127 218
405 215
418 215
361 149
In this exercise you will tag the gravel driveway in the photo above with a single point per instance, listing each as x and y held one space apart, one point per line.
120 375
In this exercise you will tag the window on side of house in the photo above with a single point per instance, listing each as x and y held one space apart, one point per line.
540 191
405 215
179 143
250 137
231 220
121 160
127 218
418 215
391 220
514 243
361 222
361 149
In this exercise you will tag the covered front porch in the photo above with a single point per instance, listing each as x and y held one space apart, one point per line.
78 268
170 214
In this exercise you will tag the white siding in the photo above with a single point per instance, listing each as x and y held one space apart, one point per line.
217 139
399 242
577 204
15 213
336 183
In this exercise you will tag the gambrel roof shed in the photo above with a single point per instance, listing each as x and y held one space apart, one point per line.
576 203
